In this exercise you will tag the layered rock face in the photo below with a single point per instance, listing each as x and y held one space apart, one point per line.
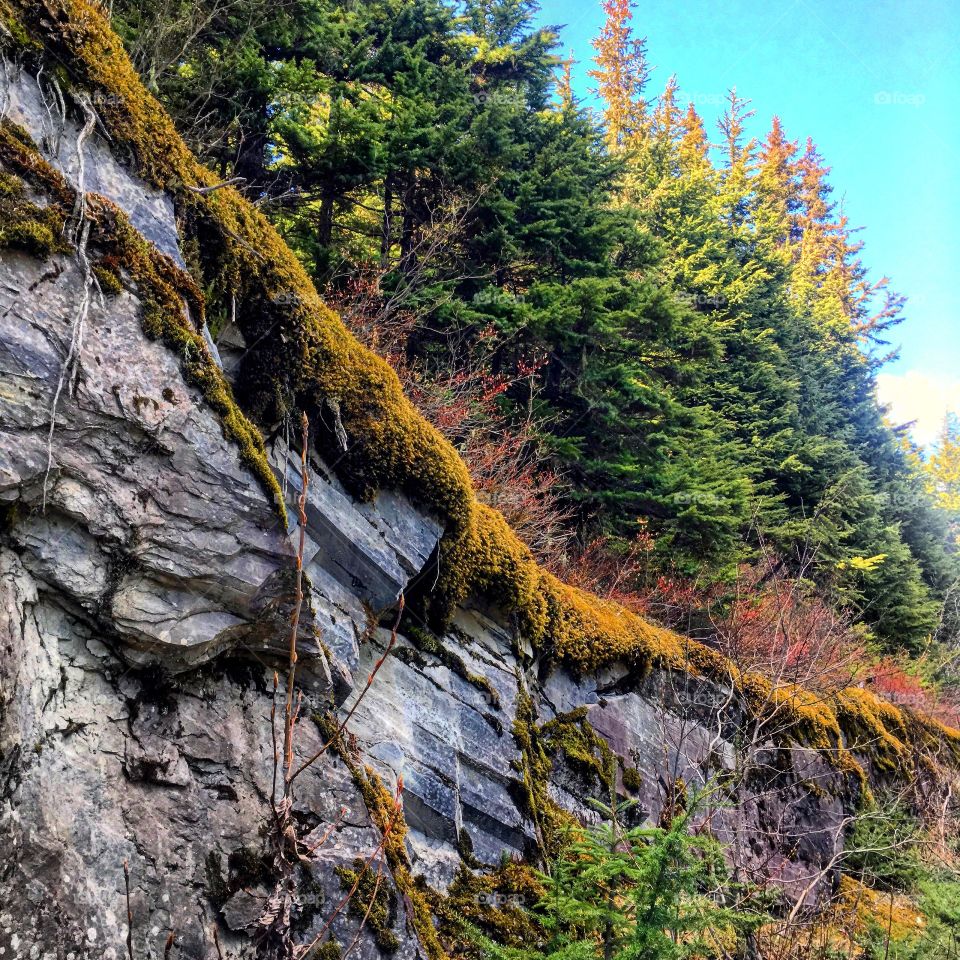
146 597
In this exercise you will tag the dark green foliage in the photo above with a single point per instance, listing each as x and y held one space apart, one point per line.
937 939
883 850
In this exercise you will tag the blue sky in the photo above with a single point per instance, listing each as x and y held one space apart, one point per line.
877 85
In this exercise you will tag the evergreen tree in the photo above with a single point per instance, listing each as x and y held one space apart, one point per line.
565 83
638 894
621 73
776 186
943 468
704 338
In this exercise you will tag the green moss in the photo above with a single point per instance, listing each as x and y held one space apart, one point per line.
895 740
216 884
585 750
411 657
330 950
12 31
249 868
465 849
631 779
25 225
31 236
245 868
108 279
552 823
496 902
372 900
11 187
22 161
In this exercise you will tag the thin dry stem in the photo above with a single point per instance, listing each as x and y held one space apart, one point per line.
295 622
126 884
369 910
362 694
397 807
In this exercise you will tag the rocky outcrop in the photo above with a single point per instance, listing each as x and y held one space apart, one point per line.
146 589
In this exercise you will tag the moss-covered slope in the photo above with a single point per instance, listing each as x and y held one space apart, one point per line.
303 357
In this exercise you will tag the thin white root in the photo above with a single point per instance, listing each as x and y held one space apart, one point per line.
90 121
233 181
71 366
7 85
69 375
334 404
62 106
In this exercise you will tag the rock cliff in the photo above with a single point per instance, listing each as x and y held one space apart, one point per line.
147 579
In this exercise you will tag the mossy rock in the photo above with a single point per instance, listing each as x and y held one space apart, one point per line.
372 898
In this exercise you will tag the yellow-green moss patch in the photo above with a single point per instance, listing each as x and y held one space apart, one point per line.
496 903
551 822
374 900
24 225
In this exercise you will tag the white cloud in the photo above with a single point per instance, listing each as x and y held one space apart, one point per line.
923 397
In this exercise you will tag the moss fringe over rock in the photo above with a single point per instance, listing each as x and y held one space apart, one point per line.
164 290
301 356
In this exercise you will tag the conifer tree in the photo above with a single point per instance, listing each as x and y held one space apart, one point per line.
943 467
777 186
638 894
738 155
565 82
621 73
732 124
666 114
711 333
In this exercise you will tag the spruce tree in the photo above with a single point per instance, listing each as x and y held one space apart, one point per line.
637 894
621 73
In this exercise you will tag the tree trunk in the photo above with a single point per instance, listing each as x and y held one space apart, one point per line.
386 232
